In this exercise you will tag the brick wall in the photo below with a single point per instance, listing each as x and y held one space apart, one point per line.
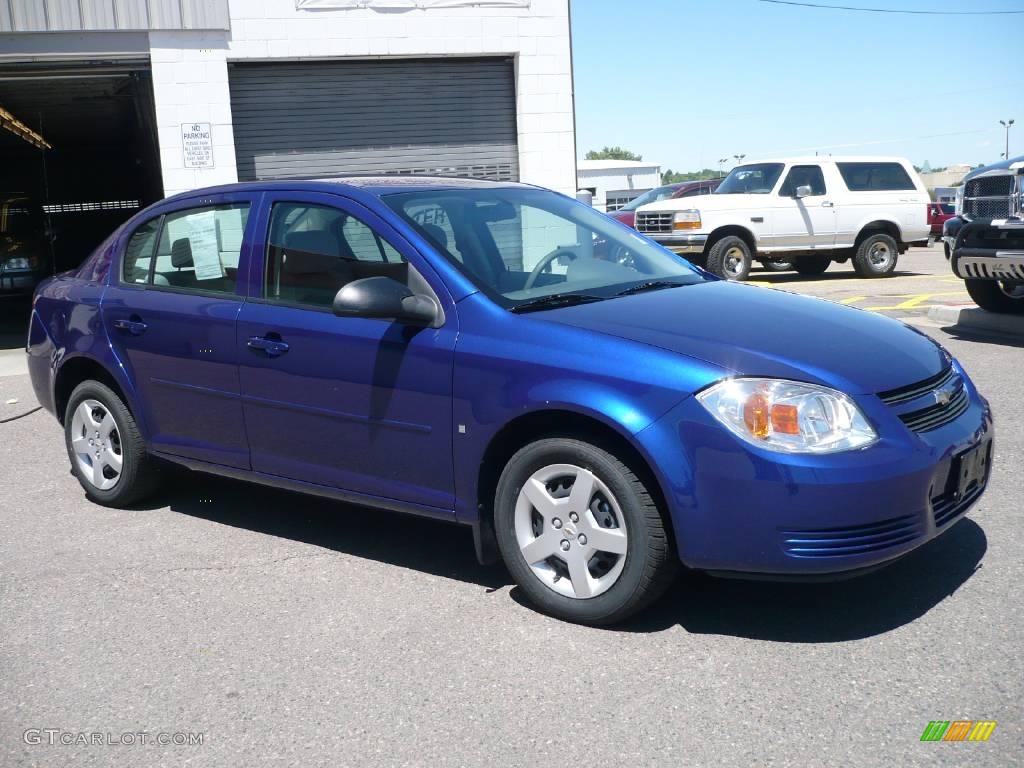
190 79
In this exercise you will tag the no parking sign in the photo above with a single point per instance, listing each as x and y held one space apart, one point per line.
197 144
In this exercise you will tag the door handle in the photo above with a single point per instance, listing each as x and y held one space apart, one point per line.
272 347
133 325
828 204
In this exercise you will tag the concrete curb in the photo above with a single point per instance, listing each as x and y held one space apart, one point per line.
970 316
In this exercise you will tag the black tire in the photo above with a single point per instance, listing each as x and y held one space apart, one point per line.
869 259
777 266
650 560
813 264
730 258
139 476
989 295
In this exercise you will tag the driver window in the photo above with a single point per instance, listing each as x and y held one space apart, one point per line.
315 250
803 176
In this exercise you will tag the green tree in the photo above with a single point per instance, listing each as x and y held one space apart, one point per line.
671 177
613 153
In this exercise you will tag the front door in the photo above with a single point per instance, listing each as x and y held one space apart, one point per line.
352 403
803 223
171 316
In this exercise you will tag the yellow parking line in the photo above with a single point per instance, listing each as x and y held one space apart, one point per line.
852 300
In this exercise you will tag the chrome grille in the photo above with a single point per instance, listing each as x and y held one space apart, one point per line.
989 197
948 401
654 223
914 391
938 415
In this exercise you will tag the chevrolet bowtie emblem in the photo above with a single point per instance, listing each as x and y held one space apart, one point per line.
943 396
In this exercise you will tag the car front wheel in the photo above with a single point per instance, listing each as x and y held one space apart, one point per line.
997 296
580 532
730 258
107 452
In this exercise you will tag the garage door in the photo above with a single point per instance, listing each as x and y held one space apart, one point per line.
452 117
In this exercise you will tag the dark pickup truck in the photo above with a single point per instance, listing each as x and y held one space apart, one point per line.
985 241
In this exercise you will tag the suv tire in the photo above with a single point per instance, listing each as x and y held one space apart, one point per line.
876 256
552 536
107 452
990 295
730 258
814 264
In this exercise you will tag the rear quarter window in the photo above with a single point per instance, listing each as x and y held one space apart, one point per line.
875 177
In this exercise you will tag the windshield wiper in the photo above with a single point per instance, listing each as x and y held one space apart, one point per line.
556 300
653 285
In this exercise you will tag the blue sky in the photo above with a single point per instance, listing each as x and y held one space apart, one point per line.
686 82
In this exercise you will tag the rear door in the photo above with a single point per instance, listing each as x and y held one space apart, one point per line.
171 316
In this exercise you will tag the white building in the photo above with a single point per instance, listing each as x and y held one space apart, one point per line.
613 183
144 98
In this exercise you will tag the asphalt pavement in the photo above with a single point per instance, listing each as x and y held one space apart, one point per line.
288 630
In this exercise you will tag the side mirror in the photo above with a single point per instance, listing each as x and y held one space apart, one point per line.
382 297
803 190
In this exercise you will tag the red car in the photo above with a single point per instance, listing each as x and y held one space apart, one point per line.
626 214
939 214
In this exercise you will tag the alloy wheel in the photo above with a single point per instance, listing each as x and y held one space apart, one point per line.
571 531
96 443
734 263
880 256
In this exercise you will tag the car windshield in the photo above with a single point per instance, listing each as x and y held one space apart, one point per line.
756 179
519 245
651 196
948 208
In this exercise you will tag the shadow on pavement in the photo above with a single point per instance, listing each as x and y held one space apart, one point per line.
836 273
823 612
781 612
407 541
980 336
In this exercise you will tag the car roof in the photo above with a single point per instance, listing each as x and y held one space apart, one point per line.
810 159
375 185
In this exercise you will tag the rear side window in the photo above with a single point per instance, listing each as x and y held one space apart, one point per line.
138 254
199 248
875 177
315 250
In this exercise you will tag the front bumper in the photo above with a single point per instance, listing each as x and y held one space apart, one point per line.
742 510
988 249
681 243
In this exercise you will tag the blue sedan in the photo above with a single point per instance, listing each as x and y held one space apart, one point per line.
598 410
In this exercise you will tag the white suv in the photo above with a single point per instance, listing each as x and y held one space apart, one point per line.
808 211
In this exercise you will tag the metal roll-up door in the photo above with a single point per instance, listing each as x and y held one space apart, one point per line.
451 117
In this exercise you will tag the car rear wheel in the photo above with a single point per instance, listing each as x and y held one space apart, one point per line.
730 258
876 256
580 532
777 266
815 264
107 452
1003 297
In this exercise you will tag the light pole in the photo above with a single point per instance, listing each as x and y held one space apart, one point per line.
1007 125
739 158
722 161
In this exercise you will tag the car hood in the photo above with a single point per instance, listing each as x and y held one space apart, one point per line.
712 202
752 331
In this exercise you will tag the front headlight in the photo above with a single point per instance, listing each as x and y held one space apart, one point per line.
959 201
788 416
686 220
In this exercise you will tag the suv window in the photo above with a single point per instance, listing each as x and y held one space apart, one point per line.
198 249
875 177
138 254
803 176
315 250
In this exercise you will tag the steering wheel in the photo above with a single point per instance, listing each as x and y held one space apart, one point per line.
544 263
